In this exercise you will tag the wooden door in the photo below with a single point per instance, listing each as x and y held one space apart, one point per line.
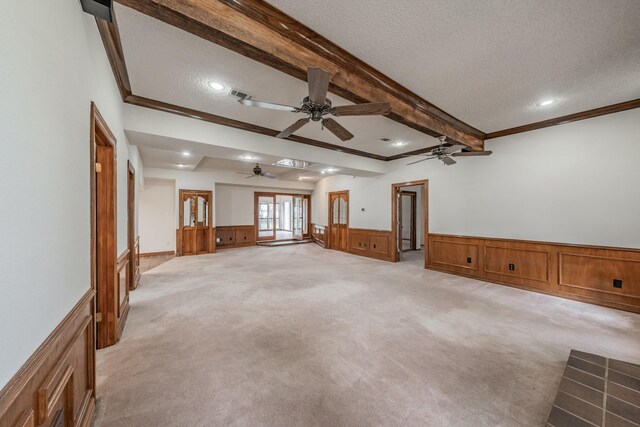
195 232
338 220
103 168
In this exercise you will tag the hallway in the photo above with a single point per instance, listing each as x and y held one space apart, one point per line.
341 340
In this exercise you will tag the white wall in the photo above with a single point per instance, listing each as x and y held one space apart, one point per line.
234 203
574 183
53 65
157 216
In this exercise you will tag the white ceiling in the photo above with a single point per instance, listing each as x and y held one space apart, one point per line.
171 65
490 62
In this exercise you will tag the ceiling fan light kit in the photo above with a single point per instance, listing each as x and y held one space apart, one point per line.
316 106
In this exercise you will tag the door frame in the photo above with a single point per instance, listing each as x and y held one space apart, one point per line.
395 189
211 243
103 232
131 231
412 235
329 243
256 197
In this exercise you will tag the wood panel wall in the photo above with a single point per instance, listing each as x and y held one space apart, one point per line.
136 264
56 386
123 277
235 236
319 235
598 275
370 243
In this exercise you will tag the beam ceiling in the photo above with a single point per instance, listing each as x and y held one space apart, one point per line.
257 30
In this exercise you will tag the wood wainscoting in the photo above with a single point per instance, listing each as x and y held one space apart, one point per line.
56 386
235 236
136 264
371 243
319 234
122 287
598 275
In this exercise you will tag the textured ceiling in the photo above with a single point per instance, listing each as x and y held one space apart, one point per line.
171 65
490 62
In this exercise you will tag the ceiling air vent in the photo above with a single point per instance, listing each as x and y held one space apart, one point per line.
385 139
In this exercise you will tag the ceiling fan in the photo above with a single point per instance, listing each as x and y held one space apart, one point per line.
445 152
257 171
317 105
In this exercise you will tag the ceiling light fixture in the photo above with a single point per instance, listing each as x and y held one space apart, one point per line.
181 165
186 153
546 102
248 157
217 86
329 170
399 144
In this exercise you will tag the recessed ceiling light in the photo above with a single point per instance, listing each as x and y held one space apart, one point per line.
329 170
186 153
217 86
248 157
181 165
323 172
546 102
399 144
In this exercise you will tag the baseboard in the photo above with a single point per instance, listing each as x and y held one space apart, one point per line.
148 254
49 381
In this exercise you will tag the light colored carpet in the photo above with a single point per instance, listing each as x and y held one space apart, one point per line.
299 335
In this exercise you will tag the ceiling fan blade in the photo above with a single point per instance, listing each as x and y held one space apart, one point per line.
294 127
448 160
337 129
370 109
250 176
268 175
318 80
261 104
472 153
453 148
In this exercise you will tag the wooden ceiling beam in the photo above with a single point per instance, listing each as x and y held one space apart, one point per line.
256 30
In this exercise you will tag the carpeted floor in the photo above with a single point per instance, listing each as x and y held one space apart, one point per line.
299 335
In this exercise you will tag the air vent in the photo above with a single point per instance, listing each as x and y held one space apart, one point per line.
385 139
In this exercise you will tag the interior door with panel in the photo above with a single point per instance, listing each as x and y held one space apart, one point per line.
195 232
338 220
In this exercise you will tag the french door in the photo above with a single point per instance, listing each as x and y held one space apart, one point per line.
282 216
298 217
265 216
338 220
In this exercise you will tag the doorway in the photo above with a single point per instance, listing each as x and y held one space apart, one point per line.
282 216
110 307
195 235
338 220
134 260
407 220
410 221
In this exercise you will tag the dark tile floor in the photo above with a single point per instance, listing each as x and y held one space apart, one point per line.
596 391
152 261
